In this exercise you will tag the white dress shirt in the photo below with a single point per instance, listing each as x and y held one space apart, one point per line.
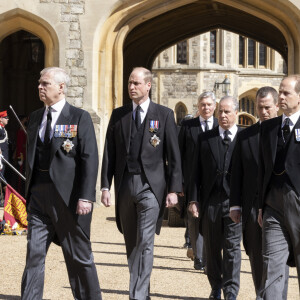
210 122
144 109
293 119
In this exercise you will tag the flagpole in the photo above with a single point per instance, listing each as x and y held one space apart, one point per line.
12 167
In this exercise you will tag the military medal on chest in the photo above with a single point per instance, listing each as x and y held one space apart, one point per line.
297 134
153 128
66 131
67 145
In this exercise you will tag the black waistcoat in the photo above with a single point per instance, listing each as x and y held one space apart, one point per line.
42 155
134 164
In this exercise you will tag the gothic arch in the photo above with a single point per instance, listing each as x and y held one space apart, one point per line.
19 19
180 112
136 31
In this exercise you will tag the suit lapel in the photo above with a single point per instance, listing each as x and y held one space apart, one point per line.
126 122
292 143
214 145
32 137
196 130
63 119
253 142
274 139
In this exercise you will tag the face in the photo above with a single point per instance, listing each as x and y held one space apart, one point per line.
49 91
266 108
138 89
288 100
226 114
4 121
206 107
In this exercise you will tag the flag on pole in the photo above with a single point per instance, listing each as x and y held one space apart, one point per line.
15 214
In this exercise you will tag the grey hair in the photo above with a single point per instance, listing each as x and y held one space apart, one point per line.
207 95
59 76
235 103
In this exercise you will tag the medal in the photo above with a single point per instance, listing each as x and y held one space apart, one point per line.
154 125
297 134
67 145
154 141
65 131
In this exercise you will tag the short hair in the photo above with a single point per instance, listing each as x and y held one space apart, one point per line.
234 102
265 91
207 95
296 77
147 73
59 76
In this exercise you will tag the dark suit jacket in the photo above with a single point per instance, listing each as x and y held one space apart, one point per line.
267 153
74 174
161 164
188 137
244 171
207 168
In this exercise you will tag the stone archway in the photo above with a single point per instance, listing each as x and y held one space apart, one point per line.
137 31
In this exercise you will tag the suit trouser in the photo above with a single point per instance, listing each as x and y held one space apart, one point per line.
196 238
49 216
138 211
280 236
252 240
221 233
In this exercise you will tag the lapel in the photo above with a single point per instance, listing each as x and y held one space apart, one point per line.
63 119
253 142
292 143
273 135
152 114
196 130
214 145
126 125
33 135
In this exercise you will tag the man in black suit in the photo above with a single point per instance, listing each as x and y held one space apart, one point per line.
279 189
61 171
188 137
243 187
209 200
142 154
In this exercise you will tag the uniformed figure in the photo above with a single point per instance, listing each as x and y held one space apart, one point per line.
4 137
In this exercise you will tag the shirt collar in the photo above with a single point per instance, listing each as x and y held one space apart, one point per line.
293 118
209 120
58 106
232 130
144 106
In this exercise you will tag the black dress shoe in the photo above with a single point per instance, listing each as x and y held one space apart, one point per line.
230 296
198 264
215 294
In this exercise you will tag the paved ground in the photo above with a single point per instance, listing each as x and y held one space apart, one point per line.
173 274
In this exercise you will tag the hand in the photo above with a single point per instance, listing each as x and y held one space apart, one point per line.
194 209
83 207
105 198
171 200
259 218
235 216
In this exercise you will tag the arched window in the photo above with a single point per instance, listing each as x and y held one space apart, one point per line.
247 105
180 112
245 120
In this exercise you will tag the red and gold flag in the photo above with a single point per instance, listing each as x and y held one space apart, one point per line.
14 208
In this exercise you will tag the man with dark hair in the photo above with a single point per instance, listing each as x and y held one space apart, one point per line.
244 185
141 152
188 137
279 189
209 200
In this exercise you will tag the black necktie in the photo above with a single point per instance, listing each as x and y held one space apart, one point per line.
286 130
138 117
226 139
206 128
48 126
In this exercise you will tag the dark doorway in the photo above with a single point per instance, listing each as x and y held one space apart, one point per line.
21 60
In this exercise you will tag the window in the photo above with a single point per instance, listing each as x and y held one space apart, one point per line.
247 105
213 47
180 111
241 51
251 52
262 55
245 120
182 52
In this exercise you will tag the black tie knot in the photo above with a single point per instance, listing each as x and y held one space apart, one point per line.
226 139
138 117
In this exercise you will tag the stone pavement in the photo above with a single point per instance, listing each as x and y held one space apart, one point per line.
173 275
